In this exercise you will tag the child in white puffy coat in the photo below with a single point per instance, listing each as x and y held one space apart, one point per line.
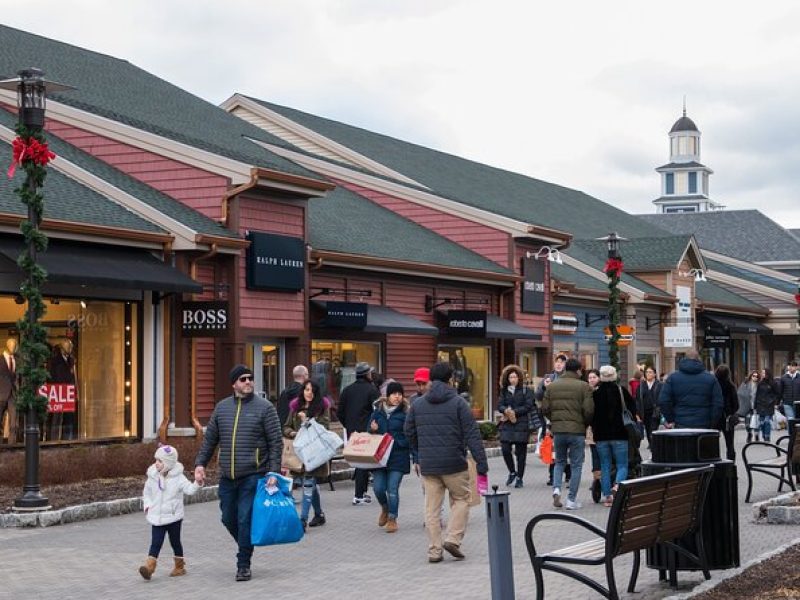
163 505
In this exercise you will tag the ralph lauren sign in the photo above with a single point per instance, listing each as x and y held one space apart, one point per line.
466 323
533 286
346 314
204 319
275 262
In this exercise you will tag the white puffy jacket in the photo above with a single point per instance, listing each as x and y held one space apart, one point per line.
163 496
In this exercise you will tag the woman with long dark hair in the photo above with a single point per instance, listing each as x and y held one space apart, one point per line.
516 402
310 404
730 407
766 399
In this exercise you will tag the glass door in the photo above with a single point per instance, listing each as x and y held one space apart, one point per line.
268 368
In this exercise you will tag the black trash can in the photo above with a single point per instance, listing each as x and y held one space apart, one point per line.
675 449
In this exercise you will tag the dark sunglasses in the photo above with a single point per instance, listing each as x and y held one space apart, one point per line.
244 378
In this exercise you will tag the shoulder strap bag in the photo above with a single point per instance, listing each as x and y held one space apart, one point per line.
631 425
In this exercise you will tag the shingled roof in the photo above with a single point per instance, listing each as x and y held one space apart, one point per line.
744 234
122 92
751 276
709 292
644 254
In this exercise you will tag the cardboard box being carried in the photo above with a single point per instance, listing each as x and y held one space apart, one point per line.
368 450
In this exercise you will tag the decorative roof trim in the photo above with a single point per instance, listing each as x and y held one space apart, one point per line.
93 233
731 308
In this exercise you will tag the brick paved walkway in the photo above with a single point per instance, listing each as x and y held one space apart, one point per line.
349 557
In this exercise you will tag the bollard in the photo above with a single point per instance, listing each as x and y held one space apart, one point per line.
498 525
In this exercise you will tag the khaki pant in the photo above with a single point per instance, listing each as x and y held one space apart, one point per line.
457 486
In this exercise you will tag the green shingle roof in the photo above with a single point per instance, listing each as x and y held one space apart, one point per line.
643 254
489 188
345 222
161 202
120 91
567 274
706 291
747 275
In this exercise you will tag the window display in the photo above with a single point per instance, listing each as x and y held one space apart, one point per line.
333 363
471 375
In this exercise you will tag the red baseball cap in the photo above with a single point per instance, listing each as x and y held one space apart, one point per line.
423 375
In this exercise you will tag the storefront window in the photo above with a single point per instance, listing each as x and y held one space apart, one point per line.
268 381
471 373
588 356
333 363
93 346
648 357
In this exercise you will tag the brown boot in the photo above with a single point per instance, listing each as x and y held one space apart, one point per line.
384 516
148 568
391 525
180 567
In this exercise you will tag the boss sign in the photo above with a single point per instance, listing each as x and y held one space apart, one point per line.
204 319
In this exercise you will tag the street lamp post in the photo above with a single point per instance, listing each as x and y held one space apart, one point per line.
613 269
32 154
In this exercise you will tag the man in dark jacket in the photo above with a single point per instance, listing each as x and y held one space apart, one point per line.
790 389
691 396
247 430
292 391
440 428
355 407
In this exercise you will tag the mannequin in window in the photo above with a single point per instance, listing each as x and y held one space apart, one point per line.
460 372
62 370
8 390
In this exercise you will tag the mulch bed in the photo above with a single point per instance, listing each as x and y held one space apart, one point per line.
776 577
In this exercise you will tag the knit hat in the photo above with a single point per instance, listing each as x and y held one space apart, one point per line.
608 373
422 375
393 387
167 455
362 369
238 371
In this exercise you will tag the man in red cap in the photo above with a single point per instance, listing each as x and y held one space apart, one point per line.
422 379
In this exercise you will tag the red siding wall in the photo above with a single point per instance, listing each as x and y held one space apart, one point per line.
539 323
486 241
194 187
284 311
205 363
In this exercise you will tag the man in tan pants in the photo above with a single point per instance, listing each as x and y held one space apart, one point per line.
440 428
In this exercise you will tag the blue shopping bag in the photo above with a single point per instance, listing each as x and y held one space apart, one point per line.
275 519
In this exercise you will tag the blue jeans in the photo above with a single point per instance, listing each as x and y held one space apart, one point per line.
788 410
618 450
765 425
310 498
236 503
386 484
569 445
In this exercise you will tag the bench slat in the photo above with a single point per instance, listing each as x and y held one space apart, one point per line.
592 549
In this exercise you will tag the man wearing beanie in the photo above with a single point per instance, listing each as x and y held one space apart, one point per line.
355 407
247 430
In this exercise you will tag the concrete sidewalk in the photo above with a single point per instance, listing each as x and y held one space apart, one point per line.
350 556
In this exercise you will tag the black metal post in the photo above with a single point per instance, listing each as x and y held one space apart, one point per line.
501 563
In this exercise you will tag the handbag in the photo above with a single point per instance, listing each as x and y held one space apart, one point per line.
474 498
754 421
289 459
315 445
275 519
633 427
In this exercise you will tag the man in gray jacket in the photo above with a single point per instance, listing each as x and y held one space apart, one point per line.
247 430
440 428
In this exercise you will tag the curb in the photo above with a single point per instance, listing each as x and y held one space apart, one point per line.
715 580
126 506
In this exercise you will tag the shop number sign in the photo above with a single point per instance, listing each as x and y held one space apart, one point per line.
61 397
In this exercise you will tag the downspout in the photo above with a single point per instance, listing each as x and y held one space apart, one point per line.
226 197
198 428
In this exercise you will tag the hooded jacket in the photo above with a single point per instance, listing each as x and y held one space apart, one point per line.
394 424
162 500
440 428
691 396
248 433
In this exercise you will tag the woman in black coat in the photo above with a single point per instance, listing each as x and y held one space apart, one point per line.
516 402
766 400
730 406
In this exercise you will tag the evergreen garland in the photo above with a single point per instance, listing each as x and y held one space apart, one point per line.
613 269
32 154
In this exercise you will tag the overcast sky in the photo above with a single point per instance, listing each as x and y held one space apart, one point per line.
577 93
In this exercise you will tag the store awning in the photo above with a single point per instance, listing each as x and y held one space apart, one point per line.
101 266
497 327
382 319
736 324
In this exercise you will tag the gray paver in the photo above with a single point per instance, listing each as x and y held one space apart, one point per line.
348 557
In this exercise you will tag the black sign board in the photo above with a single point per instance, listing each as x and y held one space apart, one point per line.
205 319
275 262
533 290
716 339
352 315
466 323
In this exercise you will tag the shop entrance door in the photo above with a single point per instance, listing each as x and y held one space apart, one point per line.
268 368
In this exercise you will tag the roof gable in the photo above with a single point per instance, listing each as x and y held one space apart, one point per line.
649 254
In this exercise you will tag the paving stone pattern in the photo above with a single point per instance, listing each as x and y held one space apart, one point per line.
348 557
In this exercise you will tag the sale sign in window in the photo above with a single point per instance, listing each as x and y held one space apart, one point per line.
61 397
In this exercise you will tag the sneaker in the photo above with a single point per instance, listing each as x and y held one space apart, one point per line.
435 559
511 477
454 550
549 481
367 498
573 504
557 498
358 501
317 520
519 483
243 574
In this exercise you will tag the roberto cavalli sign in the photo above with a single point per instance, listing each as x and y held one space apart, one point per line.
533 292
204 319
275 262
466 323
350 315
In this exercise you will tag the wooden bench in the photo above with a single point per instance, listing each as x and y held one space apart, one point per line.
659 509
779 466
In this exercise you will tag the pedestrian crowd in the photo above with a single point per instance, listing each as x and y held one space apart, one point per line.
434 432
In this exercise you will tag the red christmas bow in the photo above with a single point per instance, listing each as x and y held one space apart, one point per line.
613 267
797 299
29 149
